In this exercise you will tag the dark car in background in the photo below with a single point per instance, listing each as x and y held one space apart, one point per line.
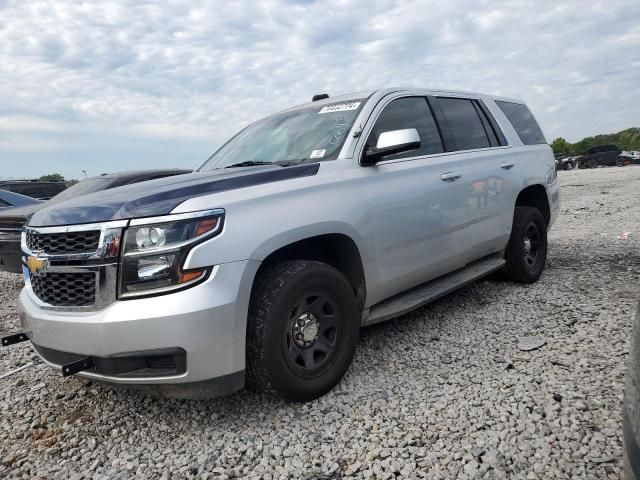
11 199
602 155
12 220
38 189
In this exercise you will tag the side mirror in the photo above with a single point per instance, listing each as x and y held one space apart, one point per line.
390 143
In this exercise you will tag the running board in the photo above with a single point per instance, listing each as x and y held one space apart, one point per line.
430 291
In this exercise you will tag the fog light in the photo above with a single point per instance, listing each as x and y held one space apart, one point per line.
155 267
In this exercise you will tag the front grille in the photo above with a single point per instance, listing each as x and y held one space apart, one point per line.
65 289
12 223
64 243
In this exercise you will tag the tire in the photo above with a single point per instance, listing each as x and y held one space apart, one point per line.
568 166
526 251
593 164
302 331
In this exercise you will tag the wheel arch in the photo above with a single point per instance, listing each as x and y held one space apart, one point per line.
334 246
535 196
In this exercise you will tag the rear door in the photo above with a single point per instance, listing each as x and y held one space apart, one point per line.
487 187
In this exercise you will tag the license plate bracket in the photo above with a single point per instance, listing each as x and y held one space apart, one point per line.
78 366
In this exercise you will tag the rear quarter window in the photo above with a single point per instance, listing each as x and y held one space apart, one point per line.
523 122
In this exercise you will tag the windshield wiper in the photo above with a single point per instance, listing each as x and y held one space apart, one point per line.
253 163
249 163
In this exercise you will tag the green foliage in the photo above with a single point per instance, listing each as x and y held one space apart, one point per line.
560 145
52 177
628 139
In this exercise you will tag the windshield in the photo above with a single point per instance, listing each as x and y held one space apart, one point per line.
82 188
315 133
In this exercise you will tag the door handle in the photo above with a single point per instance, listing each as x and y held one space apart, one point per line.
507 165
450 176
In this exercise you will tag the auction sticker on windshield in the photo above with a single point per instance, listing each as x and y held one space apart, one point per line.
340 107
317 154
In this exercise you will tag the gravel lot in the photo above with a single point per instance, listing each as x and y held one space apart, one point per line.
444 392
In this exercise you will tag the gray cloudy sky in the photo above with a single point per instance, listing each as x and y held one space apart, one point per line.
105 86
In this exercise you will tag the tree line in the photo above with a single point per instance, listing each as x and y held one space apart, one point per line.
628 139
57 177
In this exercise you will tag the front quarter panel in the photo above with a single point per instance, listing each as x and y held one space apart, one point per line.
262 219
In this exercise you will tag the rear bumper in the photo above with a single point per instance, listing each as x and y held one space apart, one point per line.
207 323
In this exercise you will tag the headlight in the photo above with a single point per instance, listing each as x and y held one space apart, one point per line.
155 249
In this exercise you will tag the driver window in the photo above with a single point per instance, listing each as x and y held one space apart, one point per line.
408 112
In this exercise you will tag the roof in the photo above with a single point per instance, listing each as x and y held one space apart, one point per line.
386 91
35 180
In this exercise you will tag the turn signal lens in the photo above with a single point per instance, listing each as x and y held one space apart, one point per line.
186 277
206 225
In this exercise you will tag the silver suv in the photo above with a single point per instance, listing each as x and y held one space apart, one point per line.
261 267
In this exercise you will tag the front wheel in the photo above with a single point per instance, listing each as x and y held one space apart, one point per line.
302 330
526 252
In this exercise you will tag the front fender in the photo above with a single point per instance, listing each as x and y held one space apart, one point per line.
270 245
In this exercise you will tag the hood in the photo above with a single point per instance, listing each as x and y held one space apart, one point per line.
16 217
161 196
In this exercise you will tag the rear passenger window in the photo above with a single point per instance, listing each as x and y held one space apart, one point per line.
410 112
523 122
463 124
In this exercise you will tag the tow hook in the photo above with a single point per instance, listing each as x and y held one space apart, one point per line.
15 338
77 366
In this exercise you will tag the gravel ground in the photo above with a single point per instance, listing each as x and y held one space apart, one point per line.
444 392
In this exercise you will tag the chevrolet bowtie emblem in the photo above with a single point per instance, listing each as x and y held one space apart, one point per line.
37 266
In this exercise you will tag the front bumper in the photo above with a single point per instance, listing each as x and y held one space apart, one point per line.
207 322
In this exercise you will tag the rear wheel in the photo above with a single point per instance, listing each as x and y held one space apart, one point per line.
303 328
526 252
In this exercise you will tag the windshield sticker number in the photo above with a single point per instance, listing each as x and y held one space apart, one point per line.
339 107
337 136
317 154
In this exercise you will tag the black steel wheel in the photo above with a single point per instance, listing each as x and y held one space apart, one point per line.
314 332
531 244
526 252
302 330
